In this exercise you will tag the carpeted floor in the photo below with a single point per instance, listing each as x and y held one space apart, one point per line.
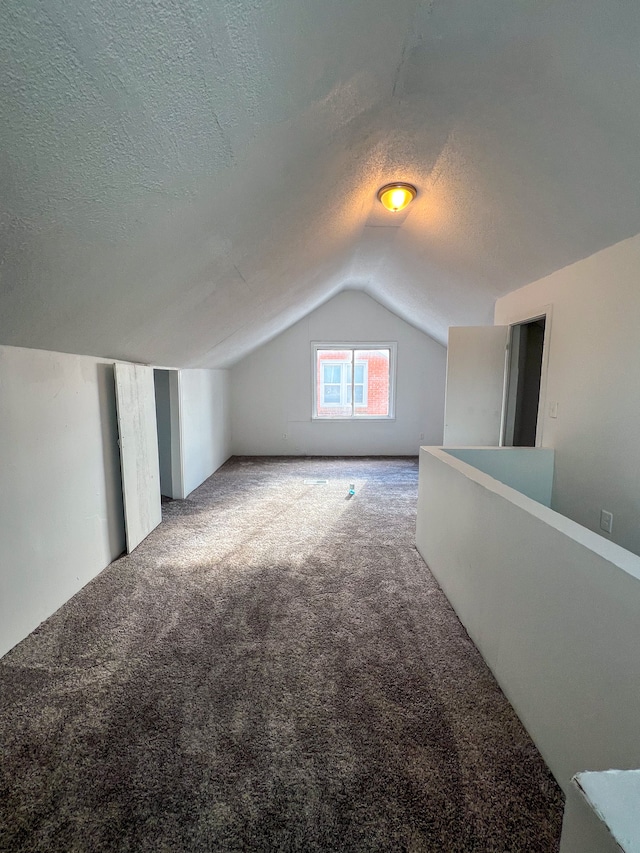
274 668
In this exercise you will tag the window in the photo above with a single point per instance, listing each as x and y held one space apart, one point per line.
336 387
353 381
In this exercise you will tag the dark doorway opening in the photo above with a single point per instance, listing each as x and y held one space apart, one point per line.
525 373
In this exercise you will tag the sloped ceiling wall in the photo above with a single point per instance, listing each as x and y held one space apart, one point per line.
182 179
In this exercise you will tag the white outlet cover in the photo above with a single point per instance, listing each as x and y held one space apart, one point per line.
606 521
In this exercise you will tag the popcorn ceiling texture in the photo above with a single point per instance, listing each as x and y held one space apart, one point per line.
273 668
181 181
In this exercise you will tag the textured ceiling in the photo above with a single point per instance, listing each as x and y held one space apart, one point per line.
182 179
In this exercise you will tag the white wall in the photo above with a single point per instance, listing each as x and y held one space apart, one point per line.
271 389
552 607
527 469
205 424
61 519
594 358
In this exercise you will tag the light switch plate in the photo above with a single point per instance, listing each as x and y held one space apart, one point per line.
553 410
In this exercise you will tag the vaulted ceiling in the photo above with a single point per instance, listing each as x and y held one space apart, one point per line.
182 179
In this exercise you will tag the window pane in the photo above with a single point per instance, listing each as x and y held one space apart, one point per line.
375 385
352 382
331 394
332 373
331 397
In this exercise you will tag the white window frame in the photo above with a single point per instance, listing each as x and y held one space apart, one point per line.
392 346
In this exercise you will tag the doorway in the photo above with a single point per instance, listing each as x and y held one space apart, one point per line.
167 393
526 348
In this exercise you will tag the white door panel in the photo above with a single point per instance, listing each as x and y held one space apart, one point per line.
475 385
135 397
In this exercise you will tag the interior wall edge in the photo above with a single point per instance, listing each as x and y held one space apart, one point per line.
61 515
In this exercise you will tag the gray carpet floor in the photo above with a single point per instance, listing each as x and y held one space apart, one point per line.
274 668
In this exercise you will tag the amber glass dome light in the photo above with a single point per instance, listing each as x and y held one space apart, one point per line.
396 196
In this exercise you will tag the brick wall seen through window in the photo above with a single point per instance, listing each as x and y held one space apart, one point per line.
352 383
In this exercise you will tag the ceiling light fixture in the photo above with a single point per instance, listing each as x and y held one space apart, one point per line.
396 196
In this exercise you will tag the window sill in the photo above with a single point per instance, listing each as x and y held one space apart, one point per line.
359 419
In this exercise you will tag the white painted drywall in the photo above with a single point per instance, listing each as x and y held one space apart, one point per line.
552 607
271 388
527 469
61 519
594 355
205 424
476 358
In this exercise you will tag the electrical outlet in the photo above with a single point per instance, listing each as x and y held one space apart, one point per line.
421 436
285 436
606 521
